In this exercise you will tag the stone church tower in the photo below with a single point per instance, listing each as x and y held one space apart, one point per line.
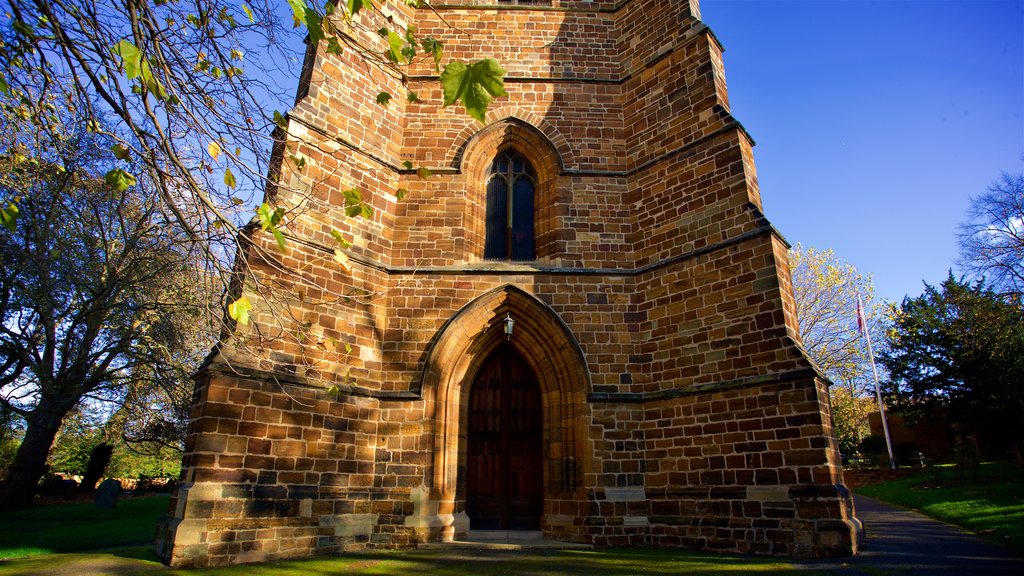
653 390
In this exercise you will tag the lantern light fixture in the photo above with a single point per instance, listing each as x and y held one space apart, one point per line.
509 323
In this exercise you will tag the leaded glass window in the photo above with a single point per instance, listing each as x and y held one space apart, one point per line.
510 191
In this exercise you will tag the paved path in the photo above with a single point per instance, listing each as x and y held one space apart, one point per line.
902 541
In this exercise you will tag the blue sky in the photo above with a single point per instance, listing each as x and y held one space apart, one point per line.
876 121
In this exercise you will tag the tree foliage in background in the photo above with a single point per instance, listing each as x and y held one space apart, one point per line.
80 434
825 289
958 349
992 238
9 439
99 294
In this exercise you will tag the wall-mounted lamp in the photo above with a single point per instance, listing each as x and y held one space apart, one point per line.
509 323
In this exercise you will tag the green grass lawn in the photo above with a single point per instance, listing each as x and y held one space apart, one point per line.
74 527
604 562
993 506
46 539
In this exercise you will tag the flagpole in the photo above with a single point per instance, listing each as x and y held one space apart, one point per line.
862 324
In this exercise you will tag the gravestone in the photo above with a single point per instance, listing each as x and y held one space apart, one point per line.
107 493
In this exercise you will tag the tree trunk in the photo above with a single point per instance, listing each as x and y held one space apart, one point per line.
29 463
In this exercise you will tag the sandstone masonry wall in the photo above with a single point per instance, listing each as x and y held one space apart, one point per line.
678 406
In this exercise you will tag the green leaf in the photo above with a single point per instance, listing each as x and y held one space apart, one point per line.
119 180
120 152
411 97
282 242
475 85
407 164
9 215
227 18
314 25
280 119
4 87
401 193
24 29
248 13
300 162
354 6
229 178
352 196
423 172
131 58
395 45
239 310
435 48
298 12
151 81
383 98
340 238
348 348
269 217
333 45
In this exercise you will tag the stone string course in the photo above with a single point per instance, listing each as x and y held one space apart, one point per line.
679 408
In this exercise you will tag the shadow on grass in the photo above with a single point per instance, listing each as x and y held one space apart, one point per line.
77 527
139 561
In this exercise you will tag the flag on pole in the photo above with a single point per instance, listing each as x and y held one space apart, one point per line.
861 324
862 327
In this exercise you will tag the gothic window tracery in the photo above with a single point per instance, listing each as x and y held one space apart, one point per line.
510 194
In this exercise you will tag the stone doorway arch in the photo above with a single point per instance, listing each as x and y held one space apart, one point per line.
458 353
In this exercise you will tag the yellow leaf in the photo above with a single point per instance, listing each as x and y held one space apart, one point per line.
342 259
239 310
214 149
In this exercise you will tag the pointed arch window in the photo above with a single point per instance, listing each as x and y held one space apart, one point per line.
510 190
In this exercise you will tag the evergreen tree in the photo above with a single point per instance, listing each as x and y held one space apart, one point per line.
958 349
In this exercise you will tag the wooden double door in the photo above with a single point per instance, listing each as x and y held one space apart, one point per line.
505 479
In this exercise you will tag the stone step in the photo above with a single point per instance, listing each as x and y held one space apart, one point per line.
504 535
503 540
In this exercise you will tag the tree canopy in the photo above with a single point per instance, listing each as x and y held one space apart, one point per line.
99 295
959 348
992 237
826 289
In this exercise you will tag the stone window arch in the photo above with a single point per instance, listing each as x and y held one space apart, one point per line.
511 185
551 189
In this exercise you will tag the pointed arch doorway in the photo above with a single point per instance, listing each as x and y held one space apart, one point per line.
504 460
